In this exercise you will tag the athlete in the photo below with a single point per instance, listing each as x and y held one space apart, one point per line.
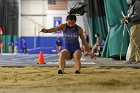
71 32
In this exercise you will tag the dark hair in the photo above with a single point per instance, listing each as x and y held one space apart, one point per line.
97 34
71 17
133 1
104 38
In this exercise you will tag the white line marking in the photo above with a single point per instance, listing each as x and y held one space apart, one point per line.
46 57
22 57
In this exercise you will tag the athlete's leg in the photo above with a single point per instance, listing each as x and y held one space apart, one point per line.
64 55
77 56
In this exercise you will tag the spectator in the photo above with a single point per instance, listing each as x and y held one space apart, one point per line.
58 44
24 46
10 45
133 18
96 44
101 46
16 47
1 46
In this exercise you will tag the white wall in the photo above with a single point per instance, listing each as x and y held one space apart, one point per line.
29 24
32 12
33 6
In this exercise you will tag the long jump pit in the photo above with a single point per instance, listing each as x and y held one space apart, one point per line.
22 74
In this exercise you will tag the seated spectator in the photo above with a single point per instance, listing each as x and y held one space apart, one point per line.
101 46
16 47
95 47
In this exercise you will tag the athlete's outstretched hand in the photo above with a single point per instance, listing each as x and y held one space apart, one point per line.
92 55
44 30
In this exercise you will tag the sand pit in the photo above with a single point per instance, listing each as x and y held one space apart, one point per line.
91 79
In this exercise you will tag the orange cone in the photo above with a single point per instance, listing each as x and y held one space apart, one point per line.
41 58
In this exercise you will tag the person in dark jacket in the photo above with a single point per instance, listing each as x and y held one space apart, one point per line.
133 18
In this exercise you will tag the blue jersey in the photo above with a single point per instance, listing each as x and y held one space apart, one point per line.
24 44
16 43
10 43
59 42
71 41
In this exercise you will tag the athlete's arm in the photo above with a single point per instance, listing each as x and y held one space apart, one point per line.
51 30
84 42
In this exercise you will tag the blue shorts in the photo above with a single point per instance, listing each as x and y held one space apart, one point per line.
58 44
72 52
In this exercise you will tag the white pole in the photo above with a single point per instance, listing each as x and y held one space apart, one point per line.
35 36
43 13
19 19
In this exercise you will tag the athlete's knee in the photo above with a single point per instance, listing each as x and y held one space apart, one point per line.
63 53
78 53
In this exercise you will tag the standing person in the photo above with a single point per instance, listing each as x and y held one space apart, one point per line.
133 18
1 46
58 44
24 46
10 45
71 32
16 47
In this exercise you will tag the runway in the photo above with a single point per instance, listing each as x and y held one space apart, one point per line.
22 60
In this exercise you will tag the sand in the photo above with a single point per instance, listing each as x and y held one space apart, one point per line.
91 80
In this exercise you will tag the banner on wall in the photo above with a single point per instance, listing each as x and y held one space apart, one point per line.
57 22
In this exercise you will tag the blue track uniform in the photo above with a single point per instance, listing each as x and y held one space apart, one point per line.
71 42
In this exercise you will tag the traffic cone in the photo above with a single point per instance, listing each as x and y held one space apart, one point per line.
41 58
